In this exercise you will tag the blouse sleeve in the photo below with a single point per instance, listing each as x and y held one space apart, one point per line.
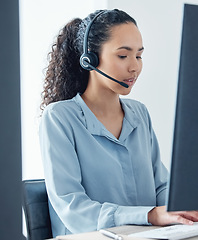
63 181
159 170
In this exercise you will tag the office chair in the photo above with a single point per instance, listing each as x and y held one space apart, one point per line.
35 205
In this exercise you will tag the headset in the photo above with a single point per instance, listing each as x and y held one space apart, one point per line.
89 60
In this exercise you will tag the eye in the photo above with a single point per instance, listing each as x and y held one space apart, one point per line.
122 56
139 57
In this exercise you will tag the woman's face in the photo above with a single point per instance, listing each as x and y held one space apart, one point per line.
120 58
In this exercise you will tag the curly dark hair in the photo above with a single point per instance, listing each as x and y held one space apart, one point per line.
64 76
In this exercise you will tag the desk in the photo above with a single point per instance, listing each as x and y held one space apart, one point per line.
122 231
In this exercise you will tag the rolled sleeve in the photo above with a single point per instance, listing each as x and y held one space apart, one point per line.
132 215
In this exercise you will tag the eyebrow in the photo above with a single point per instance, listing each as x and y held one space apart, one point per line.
130 49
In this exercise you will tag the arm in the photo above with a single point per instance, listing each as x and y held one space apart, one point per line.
63 175
160 173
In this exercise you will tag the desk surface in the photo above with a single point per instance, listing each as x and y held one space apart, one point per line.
122 231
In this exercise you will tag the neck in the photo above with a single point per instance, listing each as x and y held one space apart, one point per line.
105 105
103 102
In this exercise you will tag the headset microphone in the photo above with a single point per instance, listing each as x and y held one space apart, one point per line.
89 60
104 74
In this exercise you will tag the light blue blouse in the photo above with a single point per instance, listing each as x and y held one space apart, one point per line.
93 179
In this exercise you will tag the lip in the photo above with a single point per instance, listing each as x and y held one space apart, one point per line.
130 81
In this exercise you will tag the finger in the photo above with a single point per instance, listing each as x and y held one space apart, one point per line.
191 215
182 220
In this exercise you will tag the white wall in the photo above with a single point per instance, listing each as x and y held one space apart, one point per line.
160 22
40 21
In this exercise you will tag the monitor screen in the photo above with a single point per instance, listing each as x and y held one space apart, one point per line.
183 184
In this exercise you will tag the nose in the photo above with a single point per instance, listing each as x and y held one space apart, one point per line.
135 65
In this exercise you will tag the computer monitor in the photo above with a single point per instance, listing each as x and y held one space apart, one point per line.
183 184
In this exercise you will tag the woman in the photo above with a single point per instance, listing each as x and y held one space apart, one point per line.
101 157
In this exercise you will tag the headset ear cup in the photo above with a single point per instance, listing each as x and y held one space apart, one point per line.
94 59
91 58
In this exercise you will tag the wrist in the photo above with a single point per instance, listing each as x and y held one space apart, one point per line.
150 215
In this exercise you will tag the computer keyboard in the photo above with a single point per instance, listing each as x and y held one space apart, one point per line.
173 232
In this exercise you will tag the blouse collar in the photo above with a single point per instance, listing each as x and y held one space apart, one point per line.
95 127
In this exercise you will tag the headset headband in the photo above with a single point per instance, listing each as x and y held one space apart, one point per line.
85 45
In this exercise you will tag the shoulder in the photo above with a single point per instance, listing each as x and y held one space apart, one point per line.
63 111
62 106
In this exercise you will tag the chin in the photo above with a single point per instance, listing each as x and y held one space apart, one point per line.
125 91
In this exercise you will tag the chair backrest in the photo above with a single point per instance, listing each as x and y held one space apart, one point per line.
35 205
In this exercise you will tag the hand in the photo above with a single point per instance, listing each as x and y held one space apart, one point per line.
160 217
